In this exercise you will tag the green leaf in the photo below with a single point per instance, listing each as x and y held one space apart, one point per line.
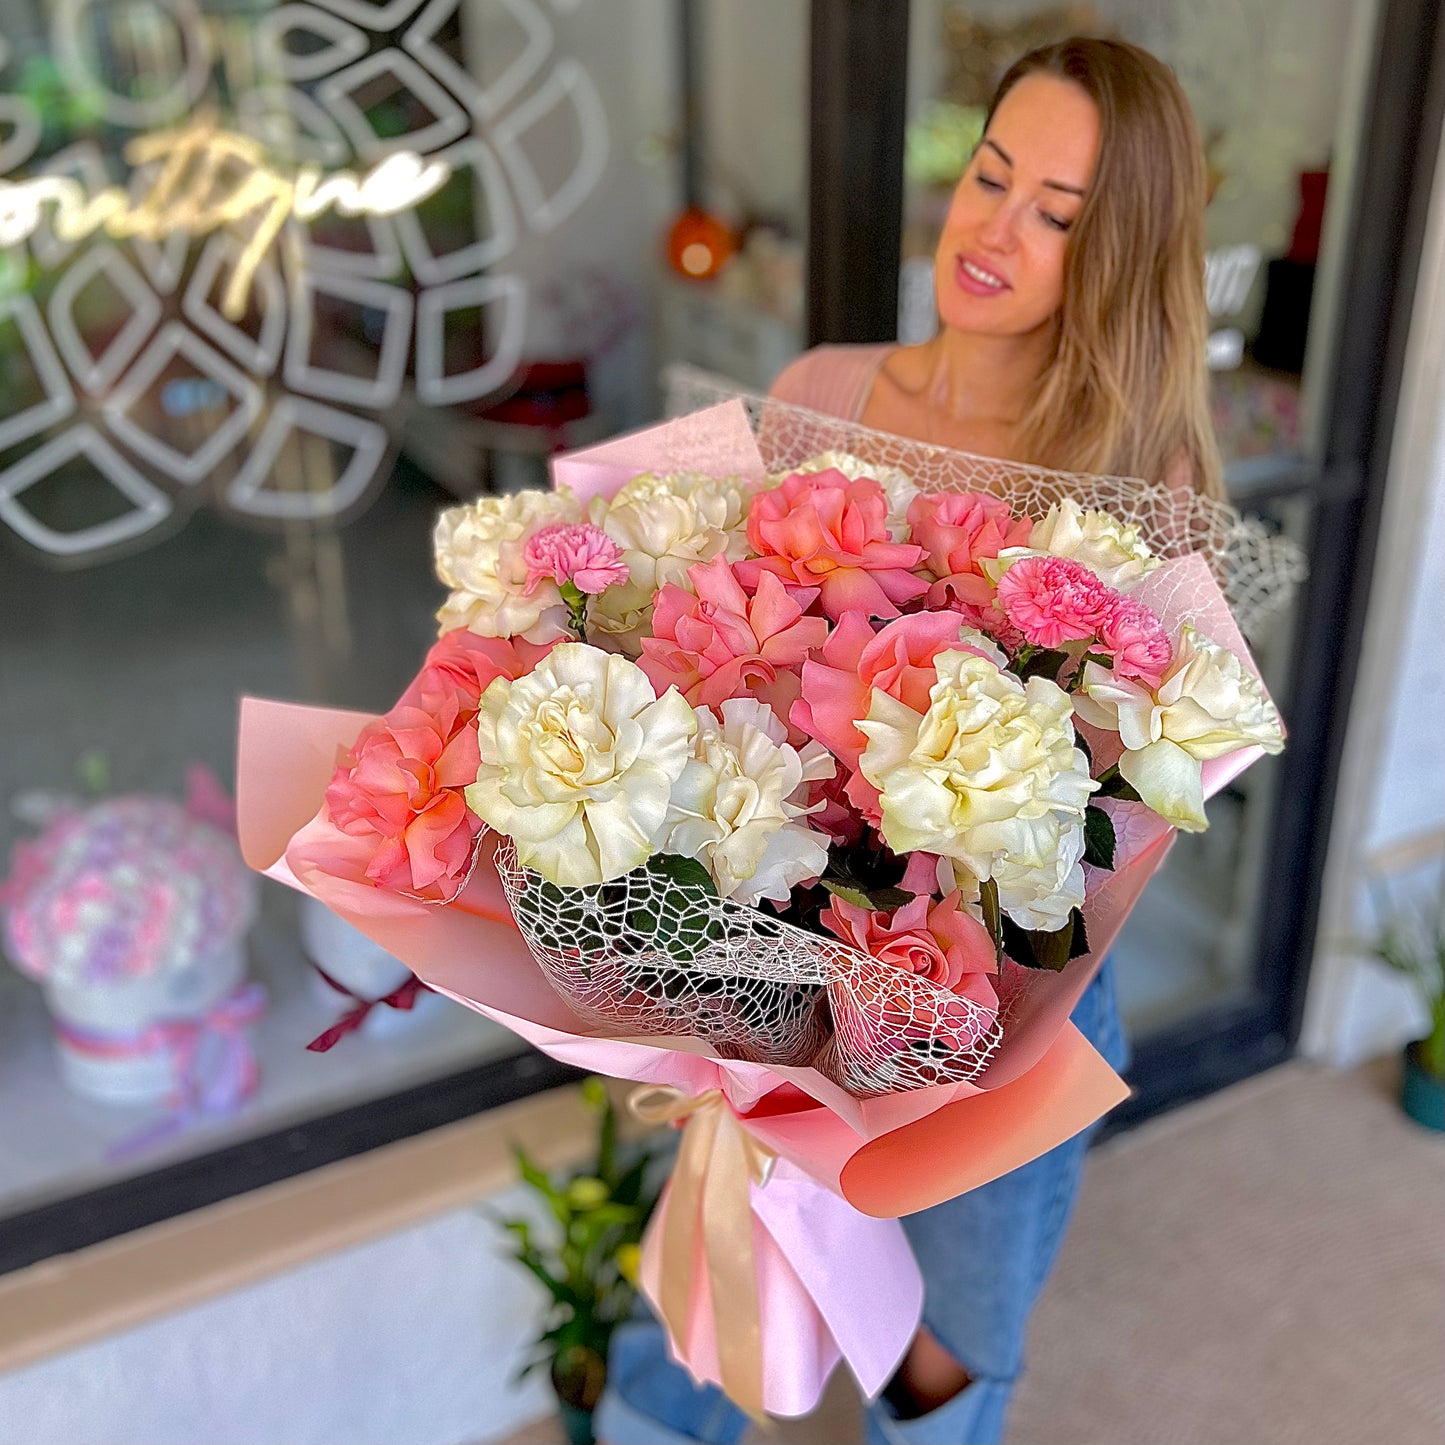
993 918
686 872
685 927
1044 663
1114 785
1034 948
881 900
1098 838
1082 743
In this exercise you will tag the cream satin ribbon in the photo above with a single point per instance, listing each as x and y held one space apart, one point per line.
716 1161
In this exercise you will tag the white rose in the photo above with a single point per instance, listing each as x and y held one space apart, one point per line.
578 762
1207 705
1038 866
479 555
898 486
1109 548
737 805
664 525
990 749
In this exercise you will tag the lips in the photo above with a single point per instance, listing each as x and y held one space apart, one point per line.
978 278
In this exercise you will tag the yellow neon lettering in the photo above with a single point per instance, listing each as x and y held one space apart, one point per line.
208 179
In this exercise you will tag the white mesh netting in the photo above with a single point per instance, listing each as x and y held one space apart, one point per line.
1257 570
650 955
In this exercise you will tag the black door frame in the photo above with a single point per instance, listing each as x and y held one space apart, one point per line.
858 84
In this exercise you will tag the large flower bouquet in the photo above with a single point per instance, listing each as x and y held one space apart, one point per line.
815 797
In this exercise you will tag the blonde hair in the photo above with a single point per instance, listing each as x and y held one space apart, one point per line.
1126 389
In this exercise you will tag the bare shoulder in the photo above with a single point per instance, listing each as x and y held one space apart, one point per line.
1179 474
825 373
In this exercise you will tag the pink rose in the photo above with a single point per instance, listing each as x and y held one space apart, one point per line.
832 813
940 942
1052 600
461 665
1134 635
958 530
579 553
838 685
718 642
401 788
821 530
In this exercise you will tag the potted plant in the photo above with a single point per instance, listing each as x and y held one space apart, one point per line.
585 1255
1414 946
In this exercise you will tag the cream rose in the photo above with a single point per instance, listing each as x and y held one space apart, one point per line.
578 763
1208 704
1109 548
479 555
990 749
1038 867
898 486
664 525
738 805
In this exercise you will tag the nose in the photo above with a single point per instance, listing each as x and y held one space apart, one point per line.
1000 229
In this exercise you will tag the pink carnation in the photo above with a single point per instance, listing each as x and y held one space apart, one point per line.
1134 635
940 942
1052 600
579 553
401 788
820 530
838 685
718 642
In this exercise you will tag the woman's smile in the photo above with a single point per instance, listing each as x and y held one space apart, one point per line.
978 278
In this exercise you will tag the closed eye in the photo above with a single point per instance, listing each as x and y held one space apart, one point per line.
1057 222
988 183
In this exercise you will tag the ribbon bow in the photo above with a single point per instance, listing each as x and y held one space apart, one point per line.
717 1162
402 997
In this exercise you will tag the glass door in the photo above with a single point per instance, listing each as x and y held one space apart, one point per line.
1312 116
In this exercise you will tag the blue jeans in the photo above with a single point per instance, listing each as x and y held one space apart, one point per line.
986 1256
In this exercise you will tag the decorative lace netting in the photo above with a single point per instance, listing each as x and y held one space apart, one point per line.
645 955
1256 570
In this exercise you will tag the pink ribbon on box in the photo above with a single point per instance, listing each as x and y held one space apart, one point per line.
213 1069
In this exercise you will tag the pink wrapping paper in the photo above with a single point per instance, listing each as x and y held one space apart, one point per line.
836 1277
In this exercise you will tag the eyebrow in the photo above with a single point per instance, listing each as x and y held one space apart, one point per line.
1008 161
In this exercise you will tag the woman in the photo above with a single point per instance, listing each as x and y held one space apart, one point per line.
1070 286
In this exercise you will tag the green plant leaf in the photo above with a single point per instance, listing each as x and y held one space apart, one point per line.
1114 785
1044 663
1098 838
993 918
881 900
685 927
1034 948
1082 743
685 872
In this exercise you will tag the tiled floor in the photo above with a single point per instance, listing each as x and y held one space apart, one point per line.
1262 1268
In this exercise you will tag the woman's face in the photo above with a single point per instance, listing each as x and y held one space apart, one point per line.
999 269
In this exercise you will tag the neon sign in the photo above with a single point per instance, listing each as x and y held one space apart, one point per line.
208 179
210 224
